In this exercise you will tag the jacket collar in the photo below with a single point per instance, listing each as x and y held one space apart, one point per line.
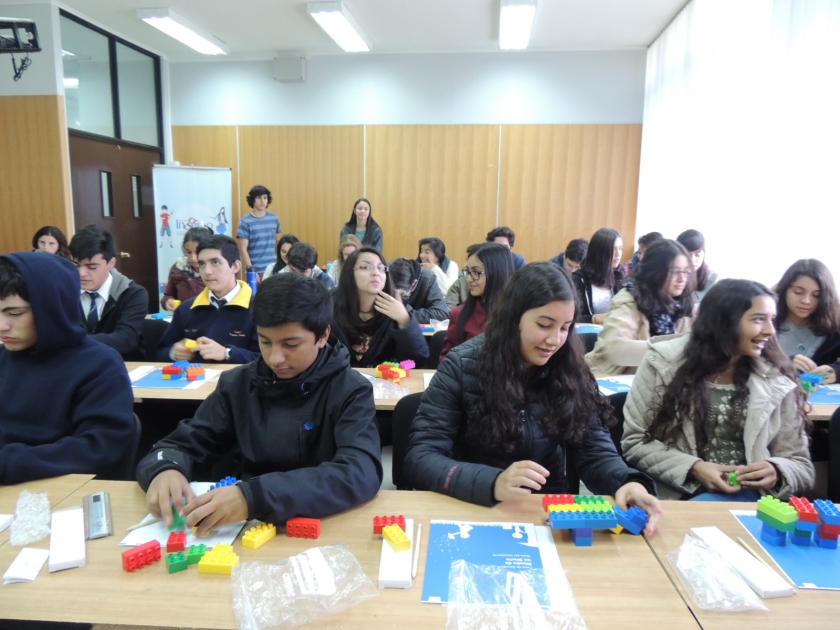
243 298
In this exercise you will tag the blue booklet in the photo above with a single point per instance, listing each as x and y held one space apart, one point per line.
588 328
615 384
825 395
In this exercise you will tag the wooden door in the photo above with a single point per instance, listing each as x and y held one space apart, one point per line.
112 187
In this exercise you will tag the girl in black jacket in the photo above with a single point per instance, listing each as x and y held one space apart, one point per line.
507 407
600 276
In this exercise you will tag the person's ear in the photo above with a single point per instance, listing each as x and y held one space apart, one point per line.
324 338
237 266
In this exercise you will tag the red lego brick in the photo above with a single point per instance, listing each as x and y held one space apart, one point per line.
383 521
177 542
828 532
171 369
804 509
138 557
303 528
557 499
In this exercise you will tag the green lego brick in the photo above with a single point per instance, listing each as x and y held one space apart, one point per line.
781 511
733 479
776 523
176 562
179 523
195 553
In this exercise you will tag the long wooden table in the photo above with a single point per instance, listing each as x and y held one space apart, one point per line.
414 383
809 609
617 583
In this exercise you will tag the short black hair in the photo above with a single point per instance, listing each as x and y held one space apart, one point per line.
258 191
11 281
435 244
505 231
293 298
402 275
302 256
92 240
646 240
472 249
225 244
576 249
196 235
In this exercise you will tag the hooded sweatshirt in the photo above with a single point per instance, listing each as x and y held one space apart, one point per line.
66 402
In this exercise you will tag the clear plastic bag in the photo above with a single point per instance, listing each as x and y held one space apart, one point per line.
32 519
710 581
386 389
298 590
496 598
439 325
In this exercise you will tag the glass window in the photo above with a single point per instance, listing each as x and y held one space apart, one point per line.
106 190
136 196
87 79
138 102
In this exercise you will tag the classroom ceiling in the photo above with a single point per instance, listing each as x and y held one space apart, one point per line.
259 29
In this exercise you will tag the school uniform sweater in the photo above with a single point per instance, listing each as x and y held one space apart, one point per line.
121 323
66 402
229 326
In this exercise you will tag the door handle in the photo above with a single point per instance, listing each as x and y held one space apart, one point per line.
125 255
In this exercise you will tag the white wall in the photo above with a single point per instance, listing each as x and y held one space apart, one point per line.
45 75
512 88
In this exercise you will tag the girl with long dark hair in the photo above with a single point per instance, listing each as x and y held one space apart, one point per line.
284 245
724 399
809 318
367 318
487 271
184 281
600 276
695 245
507 408
51 240
432 256
363 225
655 301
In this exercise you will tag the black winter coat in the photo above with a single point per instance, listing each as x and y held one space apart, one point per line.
584 290
441 458
426 300
309 446
829 354
389 343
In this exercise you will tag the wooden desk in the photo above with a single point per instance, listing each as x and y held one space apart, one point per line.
414 384
822 412
617 583
813 610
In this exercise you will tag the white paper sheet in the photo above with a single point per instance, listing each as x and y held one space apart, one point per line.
6 520
26 566
139 372
427 378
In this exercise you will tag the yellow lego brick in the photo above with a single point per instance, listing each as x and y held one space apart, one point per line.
190 344
567 507
219 560
167 377
259 535
396 538
617 530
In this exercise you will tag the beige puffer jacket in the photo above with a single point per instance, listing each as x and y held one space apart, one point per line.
772 431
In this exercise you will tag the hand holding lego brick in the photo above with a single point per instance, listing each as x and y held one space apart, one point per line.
714 477
167 489
804 364
210 350
180 352
519 479
634 493
760 474
213 509
826 372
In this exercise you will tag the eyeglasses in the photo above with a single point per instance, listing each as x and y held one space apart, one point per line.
474 274
370 268
680 272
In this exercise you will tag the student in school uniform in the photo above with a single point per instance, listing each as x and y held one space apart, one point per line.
432 256
303 259
506 237
66 399
113 307
348 244
507 408
418 289
460 290
184 279
645 241
487 272
656 301
301 420
363 225
368 319
284 245
723 399
258 231
51 240
218 318
695 244
809 318
600 276
572 258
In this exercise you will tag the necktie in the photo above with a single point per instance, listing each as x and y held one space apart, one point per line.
218 302
93 313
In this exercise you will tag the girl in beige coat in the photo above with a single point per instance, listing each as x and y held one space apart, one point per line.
719 401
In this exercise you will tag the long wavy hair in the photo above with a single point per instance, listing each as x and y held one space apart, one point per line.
498 267
280 264
713 345
693 240
571 402
597 266
825 320
58 235
652 276
346 299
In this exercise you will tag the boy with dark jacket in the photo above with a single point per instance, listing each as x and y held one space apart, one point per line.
65 399
302 419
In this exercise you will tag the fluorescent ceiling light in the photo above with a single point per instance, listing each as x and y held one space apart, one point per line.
67 53
340 25
70 82
515 22
178 27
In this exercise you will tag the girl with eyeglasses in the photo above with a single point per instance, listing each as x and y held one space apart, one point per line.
656 301
721 400
487 271
505 410
601 275
367 318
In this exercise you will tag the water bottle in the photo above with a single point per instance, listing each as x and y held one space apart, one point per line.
252 280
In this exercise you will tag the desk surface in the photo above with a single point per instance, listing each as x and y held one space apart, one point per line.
414 384
809 609
617 583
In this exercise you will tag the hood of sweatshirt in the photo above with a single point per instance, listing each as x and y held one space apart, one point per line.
332 358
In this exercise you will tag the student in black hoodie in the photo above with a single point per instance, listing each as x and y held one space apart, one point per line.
301 418
418 289
66 399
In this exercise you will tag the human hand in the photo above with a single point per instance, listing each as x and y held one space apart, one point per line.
213 509
827 372
714 476
516 480
167 304
634 493
428 265
803 363
393 308
180 352
760 475
599 318
167 489
210 350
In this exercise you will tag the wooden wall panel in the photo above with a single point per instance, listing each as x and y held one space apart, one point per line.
433 180
314 175
561 182
34 170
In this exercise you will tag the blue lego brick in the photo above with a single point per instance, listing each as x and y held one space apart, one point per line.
825 543
582 537
772 536
808 527
799 539
633 520
827 511
582 520
181 364
222 483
